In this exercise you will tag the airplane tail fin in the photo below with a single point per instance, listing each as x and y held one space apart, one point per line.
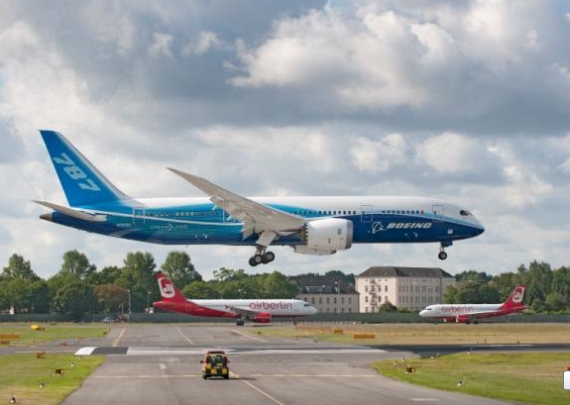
515 300
168 290
82 183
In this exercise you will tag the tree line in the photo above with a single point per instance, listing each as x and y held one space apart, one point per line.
547 290
79 288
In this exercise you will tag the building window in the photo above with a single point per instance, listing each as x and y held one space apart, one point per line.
385 288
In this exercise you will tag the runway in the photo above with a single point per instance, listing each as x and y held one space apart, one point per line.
159 364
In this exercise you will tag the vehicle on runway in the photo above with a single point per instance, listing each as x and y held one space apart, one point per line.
310 225
256 310
215 364
471 313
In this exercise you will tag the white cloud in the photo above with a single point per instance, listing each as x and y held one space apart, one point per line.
451 153
467 101
161 45
378 156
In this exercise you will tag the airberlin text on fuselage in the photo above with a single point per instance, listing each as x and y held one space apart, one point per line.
270 305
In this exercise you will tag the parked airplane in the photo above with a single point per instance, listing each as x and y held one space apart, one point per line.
467 313
311 225
258 310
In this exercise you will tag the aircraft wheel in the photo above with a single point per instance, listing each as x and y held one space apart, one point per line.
268 257
442 255
252 262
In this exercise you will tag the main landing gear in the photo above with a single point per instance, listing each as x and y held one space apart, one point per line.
261 257
444 243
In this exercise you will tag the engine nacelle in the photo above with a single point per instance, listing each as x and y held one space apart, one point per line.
261 317
326 236
463 319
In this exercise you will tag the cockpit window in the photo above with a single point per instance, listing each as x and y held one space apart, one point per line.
464 213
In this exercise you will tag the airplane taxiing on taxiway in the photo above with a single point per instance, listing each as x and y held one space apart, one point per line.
467 313
254 310
310 225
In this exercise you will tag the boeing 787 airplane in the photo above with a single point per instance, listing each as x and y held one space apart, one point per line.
256 310
310 225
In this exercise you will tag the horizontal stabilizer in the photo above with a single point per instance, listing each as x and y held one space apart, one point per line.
85 216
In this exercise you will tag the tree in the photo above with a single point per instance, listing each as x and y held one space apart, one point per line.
137 277
277 285
387 306
19 268
179 269
472 275
538 279
451 295
472 292
76 264
108 275
200 290
110 298
75 299
555 302
224 274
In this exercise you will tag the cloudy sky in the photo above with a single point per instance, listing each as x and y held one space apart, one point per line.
466 101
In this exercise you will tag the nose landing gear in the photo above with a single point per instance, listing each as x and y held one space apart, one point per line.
444 243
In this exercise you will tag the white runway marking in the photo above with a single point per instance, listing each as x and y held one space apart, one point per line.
85 351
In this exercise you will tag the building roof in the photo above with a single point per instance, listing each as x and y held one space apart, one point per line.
416 272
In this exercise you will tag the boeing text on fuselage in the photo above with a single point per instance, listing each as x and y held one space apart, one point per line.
310 225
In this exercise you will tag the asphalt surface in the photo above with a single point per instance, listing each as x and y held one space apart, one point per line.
159 364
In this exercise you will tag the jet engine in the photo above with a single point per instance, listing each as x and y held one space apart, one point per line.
326 236
261 317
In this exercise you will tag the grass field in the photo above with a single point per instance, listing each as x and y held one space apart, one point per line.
22 375
65 332
527 378
402 334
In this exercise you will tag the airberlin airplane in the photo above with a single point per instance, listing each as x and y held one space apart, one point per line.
467 313
258 311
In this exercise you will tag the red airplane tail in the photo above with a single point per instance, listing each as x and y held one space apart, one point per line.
168 290
515 300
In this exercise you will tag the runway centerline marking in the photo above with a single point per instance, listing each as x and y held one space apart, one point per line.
116 342
185 337
257 389
248 336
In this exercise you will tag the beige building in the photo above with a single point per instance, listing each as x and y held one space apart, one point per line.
330 299
412 288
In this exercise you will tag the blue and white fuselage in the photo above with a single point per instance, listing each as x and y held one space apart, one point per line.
312 225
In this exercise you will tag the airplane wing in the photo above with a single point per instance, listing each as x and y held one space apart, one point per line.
256 217
242 312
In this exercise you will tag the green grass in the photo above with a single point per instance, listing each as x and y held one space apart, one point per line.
527 378
410 334
71 332
22 374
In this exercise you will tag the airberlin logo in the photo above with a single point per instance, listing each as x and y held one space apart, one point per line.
166 288
379 227
518 295
270 305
